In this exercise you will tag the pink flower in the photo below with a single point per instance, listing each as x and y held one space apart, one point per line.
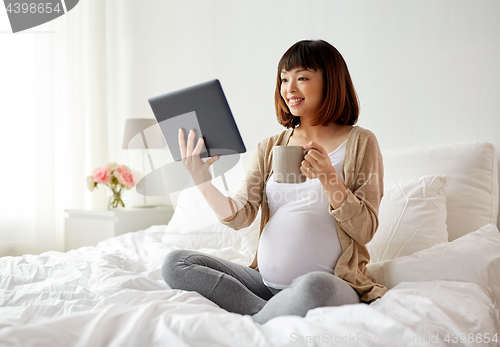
126 179
102 175
119 170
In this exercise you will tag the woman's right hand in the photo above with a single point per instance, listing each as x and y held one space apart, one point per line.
198 169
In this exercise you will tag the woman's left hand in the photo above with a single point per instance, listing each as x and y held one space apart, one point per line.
316 163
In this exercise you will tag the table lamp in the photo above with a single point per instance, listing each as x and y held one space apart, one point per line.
150 137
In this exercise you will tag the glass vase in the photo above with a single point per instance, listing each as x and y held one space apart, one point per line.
115 201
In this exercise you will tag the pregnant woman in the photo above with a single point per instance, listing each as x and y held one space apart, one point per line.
313 235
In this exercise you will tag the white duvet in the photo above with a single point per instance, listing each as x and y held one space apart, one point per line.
113 295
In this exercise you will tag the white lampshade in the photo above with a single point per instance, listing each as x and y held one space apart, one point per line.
149 132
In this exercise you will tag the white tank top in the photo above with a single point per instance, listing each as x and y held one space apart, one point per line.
301 235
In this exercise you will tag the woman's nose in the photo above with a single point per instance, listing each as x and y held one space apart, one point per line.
292 87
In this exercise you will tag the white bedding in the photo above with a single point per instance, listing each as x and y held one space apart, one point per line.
113 295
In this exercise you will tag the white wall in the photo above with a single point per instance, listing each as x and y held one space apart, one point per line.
426 72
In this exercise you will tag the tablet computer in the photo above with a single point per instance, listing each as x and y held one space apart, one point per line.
204 109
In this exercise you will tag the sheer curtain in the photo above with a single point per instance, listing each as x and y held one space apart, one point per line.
54 125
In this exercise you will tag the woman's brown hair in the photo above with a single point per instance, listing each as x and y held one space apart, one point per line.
340 103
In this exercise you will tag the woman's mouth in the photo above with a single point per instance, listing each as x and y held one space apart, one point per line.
295 102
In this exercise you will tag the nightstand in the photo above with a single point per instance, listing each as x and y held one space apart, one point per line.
89 227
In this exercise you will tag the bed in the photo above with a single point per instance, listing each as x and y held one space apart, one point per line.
437 250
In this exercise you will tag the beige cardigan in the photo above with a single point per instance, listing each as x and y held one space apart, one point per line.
357 217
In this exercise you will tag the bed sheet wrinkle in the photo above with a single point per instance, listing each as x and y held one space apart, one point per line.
444 307
162 335
328 328
218 328
19 297
25 268
7 282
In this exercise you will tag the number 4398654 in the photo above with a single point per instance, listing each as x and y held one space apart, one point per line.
471 338
33 7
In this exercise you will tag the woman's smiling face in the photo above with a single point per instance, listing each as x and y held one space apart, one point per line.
302 91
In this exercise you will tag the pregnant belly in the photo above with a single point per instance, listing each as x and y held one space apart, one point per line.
292 245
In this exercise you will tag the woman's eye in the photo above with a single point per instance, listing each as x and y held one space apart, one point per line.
284 80
302 79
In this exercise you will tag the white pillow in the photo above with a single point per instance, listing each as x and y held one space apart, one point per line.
472 194
412 217
473 258
195 226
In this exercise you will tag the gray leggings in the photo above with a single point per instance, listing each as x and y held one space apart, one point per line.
239 289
